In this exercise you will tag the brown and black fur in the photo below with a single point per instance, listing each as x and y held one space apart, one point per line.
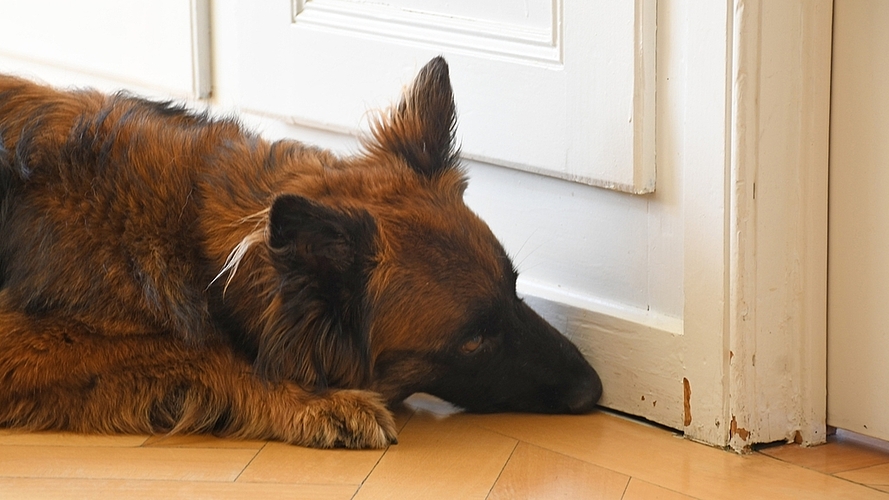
165 271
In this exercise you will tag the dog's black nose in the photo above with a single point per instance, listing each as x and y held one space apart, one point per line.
586 394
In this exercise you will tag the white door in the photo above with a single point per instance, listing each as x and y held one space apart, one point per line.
858 283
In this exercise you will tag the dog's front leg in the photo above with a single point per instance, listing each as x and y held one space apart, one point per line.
337 418
63 375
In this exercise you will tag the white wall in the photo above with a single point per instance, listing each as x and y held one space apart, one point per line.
858 375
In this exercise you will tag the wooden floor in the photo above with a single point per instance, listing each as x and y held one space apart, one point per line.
441 455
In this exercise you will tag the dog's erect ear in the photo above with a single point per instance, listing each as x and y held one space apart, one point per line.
421 128
316 329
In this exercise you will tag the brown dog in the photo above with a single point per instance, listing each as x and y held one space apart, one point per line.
162 271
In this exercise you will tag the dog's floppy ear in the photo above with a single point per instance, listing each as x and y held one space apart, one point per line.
421 128
316 328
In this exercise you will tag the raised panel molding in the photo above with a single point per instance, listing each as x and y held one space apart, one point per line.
434 30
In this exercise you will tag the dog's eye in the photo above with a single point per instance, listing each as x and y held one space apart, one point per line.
472 345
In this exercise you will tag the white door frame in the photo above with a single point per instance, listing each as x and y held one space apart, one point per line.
777 226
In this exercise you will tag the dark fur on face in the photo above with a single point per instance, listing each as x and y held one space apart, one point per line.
164 271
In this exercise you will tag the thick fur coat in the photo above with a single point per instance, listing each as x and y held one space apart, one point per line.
165 271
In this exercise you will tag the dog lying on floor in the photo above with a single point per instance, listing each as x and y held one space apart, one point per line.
163 271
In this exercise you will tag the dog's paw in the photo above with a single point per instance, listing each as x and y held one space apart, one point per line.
346 419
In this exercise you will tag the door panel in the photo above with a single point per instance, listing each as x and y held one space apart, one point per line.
562 89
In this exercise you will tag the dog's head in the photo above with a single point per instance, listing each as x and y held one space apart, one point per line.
407 289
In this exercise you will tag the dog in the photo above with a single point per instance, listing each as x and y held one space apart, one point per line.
165 271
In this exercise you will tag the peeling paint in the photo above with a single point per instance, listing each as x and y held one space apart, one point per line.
686 397
738 431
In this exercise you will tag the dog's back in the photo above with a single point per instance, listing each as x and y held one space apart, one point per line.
99 214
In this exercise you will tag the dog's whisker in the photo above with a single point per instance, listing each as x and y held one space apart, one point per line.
233 261
258 218
520 261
